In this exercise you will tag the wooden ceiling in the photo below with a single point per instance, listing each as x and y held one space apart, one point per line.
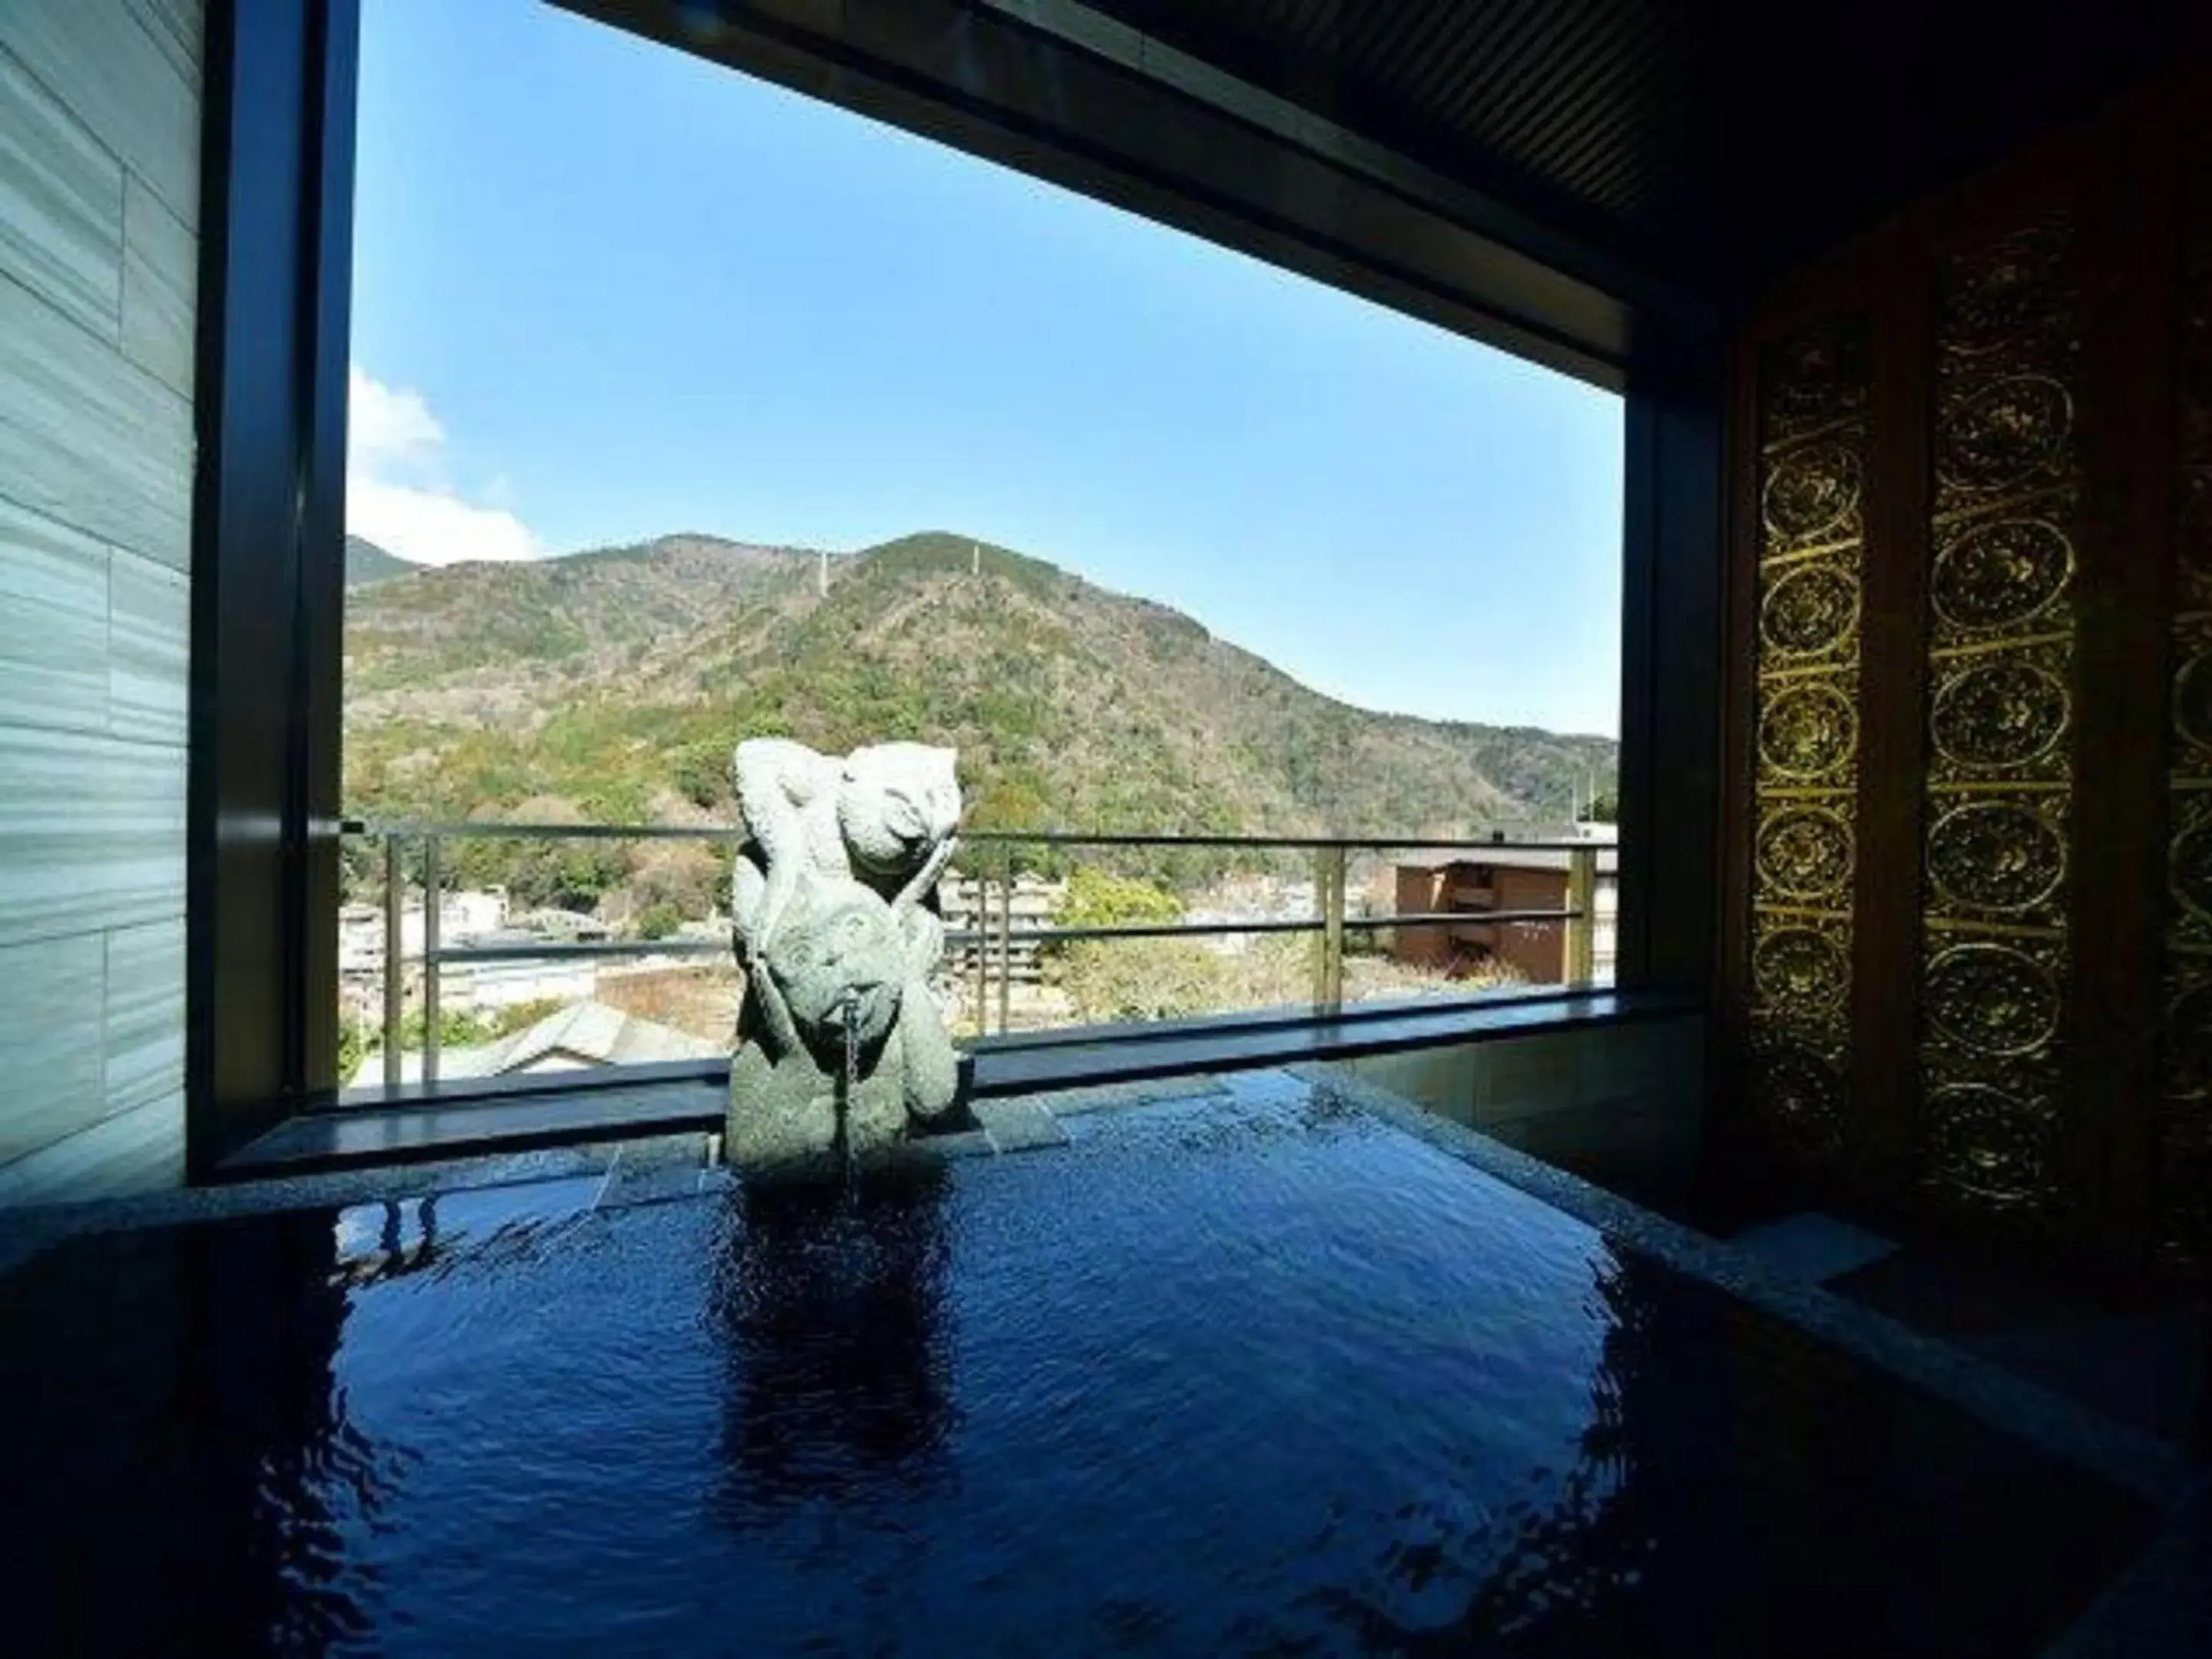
1716 141
1591 184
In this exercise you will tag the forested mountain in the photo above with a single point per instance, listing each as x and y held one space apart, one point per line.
612 684
366 562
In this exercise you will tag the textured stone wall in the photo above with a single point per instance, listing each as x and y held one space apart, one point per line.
100 157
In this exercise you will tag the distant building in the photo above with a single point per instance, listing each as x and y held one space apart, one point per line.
462 917
1251 898
1032 904
470 917
1505 878
588 1035
566 927
360 938
487 987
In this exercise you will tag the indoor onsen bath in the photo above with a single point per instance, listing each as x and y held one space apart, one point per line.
1276 1362
1054 828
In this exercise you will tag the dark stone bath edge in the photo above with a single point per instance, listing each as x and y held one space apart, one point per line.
2137 1462
2160 1608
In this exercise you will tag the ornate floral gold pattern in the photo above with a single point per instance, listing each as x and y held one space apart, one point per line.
1813 494
2189 870
1799 1089
2001 621
1995 999
1990 1147
1996 858
1800 968
1812 380
2189 1042
1813 416
2192 701
2005 436
1805 855
1808 731
1811 610
2001 716
2189 842
2192 695
2186 1171
1996 574
2016 289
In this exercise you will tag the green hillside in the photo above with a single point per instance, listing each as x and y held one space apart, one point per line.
612 684
366 562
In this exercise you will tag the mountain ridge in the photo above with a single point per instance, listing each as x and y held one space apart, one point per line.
367 564
613 681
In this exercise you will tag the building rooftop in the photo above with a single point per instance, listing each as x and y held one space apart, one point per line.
1503 857
582 1034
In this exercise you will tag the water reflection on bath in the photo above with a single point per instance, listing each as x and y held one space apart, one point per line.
1245 1373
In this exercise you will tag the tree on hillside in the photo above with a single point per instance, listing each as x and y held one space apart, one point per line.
700 772
1099 898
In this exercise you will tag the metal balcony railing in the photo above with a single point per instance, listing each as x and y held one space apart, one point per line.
1331 923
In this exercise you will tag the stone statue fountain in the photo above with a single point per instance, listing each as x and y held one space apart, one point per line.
841 1045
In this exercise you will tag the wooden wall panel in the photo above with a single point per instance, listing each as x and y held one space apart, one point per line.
2184 1196
1886 1009
1971 910
1998 850
1811 420
2130 271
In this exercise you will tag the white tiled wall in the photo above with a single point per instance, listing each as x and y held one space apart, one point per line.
100 147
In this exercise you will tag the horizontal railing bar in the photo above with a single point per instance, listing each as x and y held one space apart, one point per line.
1272 1017
1155 930
1460 918
370 827
963 936
1350 843
551 952
1014 837
1295 925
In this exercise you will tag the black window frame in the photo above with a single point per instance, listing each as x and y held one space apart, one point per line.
1094 112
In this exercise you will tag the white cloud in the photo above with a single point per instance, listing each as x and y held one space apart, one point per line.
398 493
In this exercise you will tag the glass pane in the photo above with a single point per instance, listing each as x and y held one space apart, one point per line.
687 410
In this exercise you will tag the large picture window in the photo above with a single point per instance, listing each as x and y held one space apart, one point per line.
685 409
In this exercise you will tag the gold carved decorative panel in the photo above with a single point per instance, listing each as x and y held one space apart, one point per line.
1813 459
2000 715
2185 1174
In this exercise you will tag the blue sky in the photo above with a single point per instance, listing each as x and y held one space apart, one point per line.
603 290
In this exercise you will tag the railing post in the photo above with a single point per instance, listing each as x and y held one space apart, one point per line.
433 902
979 930
1005 932
1321 939
1337 860
1329 893
395 961
1581 925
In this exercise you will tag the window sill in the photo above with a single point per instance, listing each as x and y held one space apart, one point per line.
510 1115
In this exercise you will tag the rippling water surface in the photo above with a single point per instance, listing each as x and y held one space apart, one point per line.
1253 1373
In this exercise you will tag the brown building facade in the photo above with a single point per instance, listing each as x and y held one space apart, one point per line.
1508 878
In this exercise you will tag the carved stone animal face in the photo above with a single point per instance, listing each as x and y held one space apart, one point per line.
895 803
839 956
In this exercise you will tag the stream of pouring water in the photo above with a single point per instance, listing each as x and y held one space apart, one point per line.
848 1079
